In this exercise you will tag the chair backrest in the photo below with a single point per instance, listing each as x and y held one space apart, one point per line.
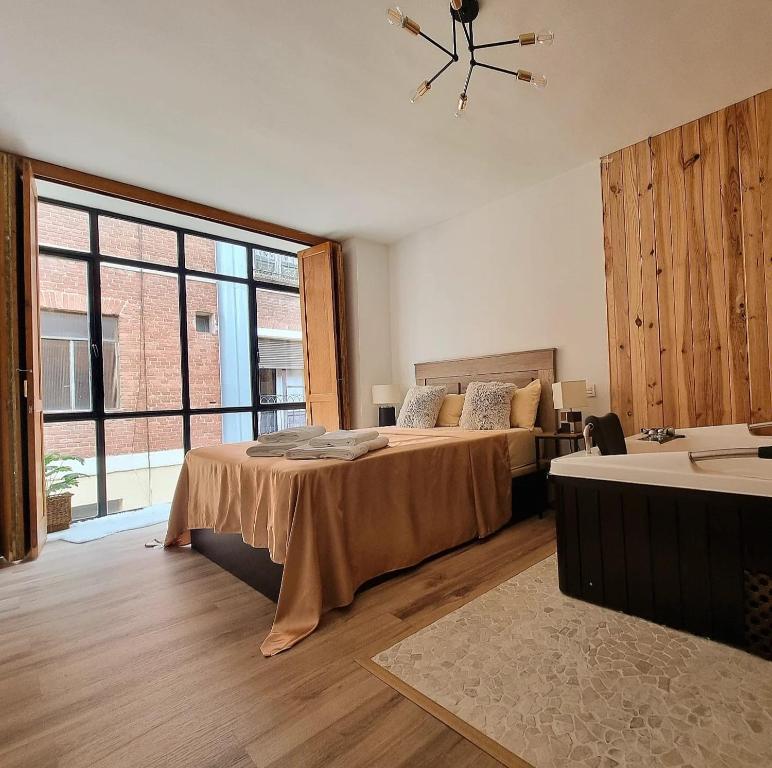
607 434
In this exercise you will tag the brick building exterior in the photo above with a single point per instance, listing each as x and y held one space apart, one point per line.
140 310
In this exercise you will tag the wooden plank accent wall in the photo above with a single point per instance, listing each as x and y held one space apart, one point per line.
687 218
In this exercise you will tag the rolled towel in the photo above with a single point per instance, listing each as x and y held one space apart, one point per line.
347 452
343 438
276 449
296 435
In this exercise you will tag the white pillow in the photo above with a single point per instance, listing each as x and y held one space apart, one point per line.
421 407
487 405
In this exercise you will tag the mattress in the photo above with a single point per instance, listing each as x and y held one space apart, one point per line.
520 442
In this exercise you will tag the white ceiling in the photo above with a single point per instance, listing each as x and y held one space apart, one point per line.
297 111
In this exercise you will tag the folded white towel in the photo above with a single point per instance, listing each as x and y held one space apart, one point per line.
276 449
296 435
343 438
347 453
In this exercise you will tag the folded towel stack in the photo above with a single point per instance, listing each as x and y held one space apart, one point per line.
296 435
276 444
343 438
271 449
339 451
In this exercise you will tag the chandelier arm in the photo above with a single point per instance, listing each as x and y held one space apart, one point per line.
440 72
455 41
516 41
466 34
496 69
452 55
469 76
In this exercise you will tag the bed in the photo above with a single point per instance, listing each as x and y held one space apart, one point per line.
310 534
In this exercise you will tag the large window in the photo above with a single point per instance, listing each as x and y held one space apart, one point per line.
157 339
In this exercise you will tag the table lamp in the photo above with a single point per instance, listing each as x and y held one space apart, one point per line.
569 397
386 396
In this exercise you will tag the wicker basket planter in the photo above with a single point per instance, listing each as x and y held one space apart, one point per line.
59 512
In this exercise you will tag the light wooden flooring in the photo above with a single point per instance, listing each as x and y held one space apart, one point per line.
113 655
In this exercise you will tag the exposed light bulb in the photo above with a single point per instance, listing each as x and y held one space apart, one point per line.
395 16
456 4
398 20
537 81
421 91
545 37
462 101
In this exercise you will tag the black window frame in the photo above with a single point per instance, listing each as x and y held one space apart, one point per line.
94 259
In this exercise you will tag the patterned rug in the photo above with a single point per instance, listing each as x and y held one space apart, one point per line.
532 675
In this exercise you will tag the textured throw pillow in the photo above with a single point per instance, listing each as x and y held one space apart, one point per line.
487 405
421 407
450 412
525 405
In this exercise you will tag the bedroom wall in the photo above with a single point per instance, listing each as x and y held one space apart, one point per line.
369 341
521 273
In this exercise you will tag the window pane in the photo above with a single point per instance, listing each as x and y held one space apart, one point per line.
139 242
81 375
72 448
280 346
273 267
64 326
220 368
207 255
57 395
143 458
141 362
216 429
61 227
273 421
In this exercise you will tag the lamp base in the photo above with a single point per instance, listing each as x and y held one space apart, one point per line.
570 421
387 416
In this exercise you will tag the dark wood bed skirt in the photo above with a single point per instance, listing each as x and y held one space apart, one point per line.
692 560
255 567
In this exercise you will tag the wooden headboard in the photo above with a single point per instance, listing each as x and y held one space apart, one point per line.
519 368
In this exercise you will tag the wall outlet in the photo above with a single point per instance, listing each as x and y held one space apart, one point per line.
591 390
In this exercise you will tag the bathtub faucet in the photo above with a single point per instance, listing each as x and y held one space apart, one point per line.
764 452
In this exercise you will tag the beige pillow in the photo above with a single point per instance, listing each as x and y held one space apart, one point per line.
450 413
421 406
487 405
525 405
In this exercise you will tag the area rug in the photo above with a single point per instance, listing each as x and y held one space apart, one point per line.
537 678
99 527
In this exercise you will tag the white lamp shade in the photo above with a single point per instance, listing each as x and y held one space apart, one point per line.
386 394
570 395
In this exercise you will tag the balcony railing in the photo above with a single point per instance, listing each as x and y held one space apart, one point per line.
276 267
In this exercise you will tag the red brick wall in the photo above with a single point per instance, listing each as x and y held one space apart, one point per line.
145 304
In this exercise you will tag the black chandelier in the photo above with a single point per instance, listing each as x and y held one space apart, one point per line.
464 12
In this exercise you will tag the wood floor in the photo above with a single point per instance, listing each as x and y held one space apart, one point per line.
113 655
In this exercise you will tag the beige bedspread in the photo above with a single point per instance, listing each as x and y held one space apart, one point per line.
336 524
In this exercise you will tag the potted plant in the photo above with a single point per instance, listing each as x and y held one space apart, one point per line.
60 481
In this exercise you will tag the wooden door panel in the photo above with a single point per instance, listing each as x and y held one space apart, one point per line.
323 324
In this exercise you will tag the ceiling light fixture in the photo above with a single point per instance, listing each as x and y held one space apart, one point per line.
464 12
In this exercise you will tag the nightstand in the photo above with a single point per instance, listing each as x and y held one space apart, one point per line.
555 439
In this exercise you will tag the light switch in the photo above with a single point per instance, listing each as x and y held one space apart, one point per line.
591 390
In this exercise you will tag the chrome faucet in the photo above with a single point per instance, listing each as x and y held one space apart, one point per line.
587 432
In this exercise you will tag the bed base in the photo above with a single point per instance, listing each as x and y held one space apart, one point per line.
255 568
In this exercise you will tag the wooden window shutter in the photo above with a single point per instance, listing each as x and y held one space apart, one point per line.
323 321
